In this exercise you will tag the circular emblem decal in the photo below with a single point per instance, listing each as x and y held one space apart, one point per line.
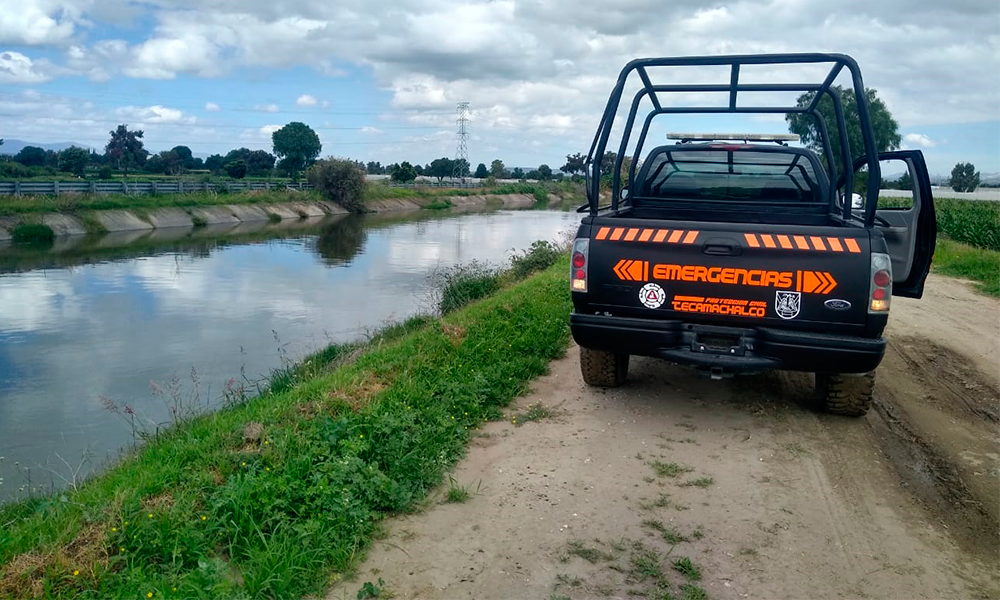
652 296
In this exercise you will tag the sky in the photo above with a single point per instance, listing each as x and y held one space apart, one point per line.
380 81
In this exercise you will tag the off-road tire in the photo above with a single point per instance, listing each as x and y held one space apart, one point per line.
603 369
844 394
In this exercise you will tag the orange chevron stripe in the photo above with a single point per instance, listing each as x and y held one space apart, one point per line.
646 234
661 235
818 243
690 237
835 244
852 245
676 235
751 240
617 234
631 234
603 233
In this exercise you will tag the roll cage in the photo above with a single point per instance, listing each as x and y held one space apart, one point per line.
734 87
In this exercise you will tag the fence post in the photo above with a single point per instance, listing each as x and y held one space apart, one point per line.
204 186
228 187
180 186
156 187
17 188
93 186
55 187
124 187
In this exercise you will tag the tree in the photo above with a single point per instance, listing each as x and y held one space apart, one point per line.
125 148
236 169
259 163
964 178
184 158
404 172
481 172
544 172
517 173
341 181
575 163
905 181
31 156
156 164
497 169
885 128
297 145
74 160
532 174
214 163
440 168
461 168
374 168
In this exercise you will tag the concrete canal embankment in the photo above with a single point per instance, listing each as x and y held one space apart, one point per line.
71 223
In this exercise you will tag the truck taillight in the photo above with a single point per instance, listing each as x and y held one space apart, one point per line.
578 270
881 283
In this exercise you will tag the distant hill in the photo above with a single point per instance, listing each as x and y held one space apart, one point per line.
14 146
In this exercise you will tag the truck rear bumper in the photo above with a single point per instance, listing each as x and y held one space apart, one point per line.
731 349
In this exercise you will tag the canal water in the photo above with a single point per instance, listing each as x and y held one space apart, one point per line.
135 318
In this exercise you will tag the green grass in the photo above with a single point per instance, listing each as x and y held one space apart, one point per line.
535 412
341 448
670 469
961 260
685 567
457 493
590 554
701 482
14 205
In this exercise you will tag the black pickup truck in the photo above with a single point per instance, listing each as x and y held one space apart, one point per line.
740 253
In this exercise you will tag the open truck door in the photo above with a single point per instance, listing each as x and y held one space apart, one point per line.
907 224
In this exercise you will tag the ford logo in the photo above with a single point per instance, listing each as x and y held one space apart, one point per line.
837 304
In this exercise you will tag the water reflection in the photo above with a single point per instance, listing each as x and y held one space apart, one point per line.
93 317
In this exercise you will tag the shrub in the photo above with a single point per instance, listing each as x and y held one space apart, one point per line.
14 170
105 172
541 255
32 233
462 284
236 169
340 181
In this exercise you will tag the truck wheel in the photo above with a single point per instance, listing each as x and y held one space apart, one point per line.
842 394
603 369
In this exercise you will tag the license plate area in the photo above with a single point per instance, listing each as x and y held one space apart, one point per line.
716 341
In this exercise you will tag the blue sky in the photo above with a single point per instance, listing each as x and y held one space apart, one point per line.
381 82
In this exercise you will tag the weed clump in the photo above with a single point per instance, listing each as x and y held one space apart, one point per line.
463 284
541 255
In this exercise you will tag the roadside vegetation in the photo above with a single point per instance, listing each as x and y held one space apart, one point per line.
277 494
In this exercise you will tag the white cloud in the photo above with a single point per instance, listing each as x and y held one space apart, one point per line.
918 140
266 108
212 107
306 100
267 130
38 22
18 68
165 57
153 114
371 130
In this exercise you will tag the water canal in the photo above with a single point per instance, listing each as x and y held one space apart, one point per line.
130 317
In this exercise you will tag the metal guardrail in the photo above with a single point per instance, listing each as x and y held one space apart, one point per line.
52 188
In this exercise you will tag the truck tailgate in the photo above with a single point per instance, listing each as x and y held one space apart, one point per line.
802 277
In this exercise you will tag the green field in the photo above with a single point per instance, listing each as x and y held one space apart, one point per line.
277 495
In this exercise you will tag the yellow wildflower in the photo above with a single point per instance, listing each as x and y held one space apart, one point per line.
150 515
204 518
76 572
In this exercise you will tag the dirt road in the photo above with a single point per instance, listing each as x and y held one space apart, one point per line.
607 494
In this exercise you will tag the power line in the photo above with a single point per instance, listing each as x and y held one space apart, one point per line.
462 149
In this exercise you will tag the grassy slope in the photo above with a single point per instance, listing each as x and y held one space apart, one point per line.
961 260
202 512
12 205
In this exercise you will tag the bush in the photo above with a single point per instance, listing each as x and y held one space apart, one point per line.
236 169
32 233
105 172
541 255
14 170
340 181
463 284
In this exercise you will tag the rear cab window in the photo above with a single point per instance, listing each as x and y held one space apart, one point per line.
731 174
